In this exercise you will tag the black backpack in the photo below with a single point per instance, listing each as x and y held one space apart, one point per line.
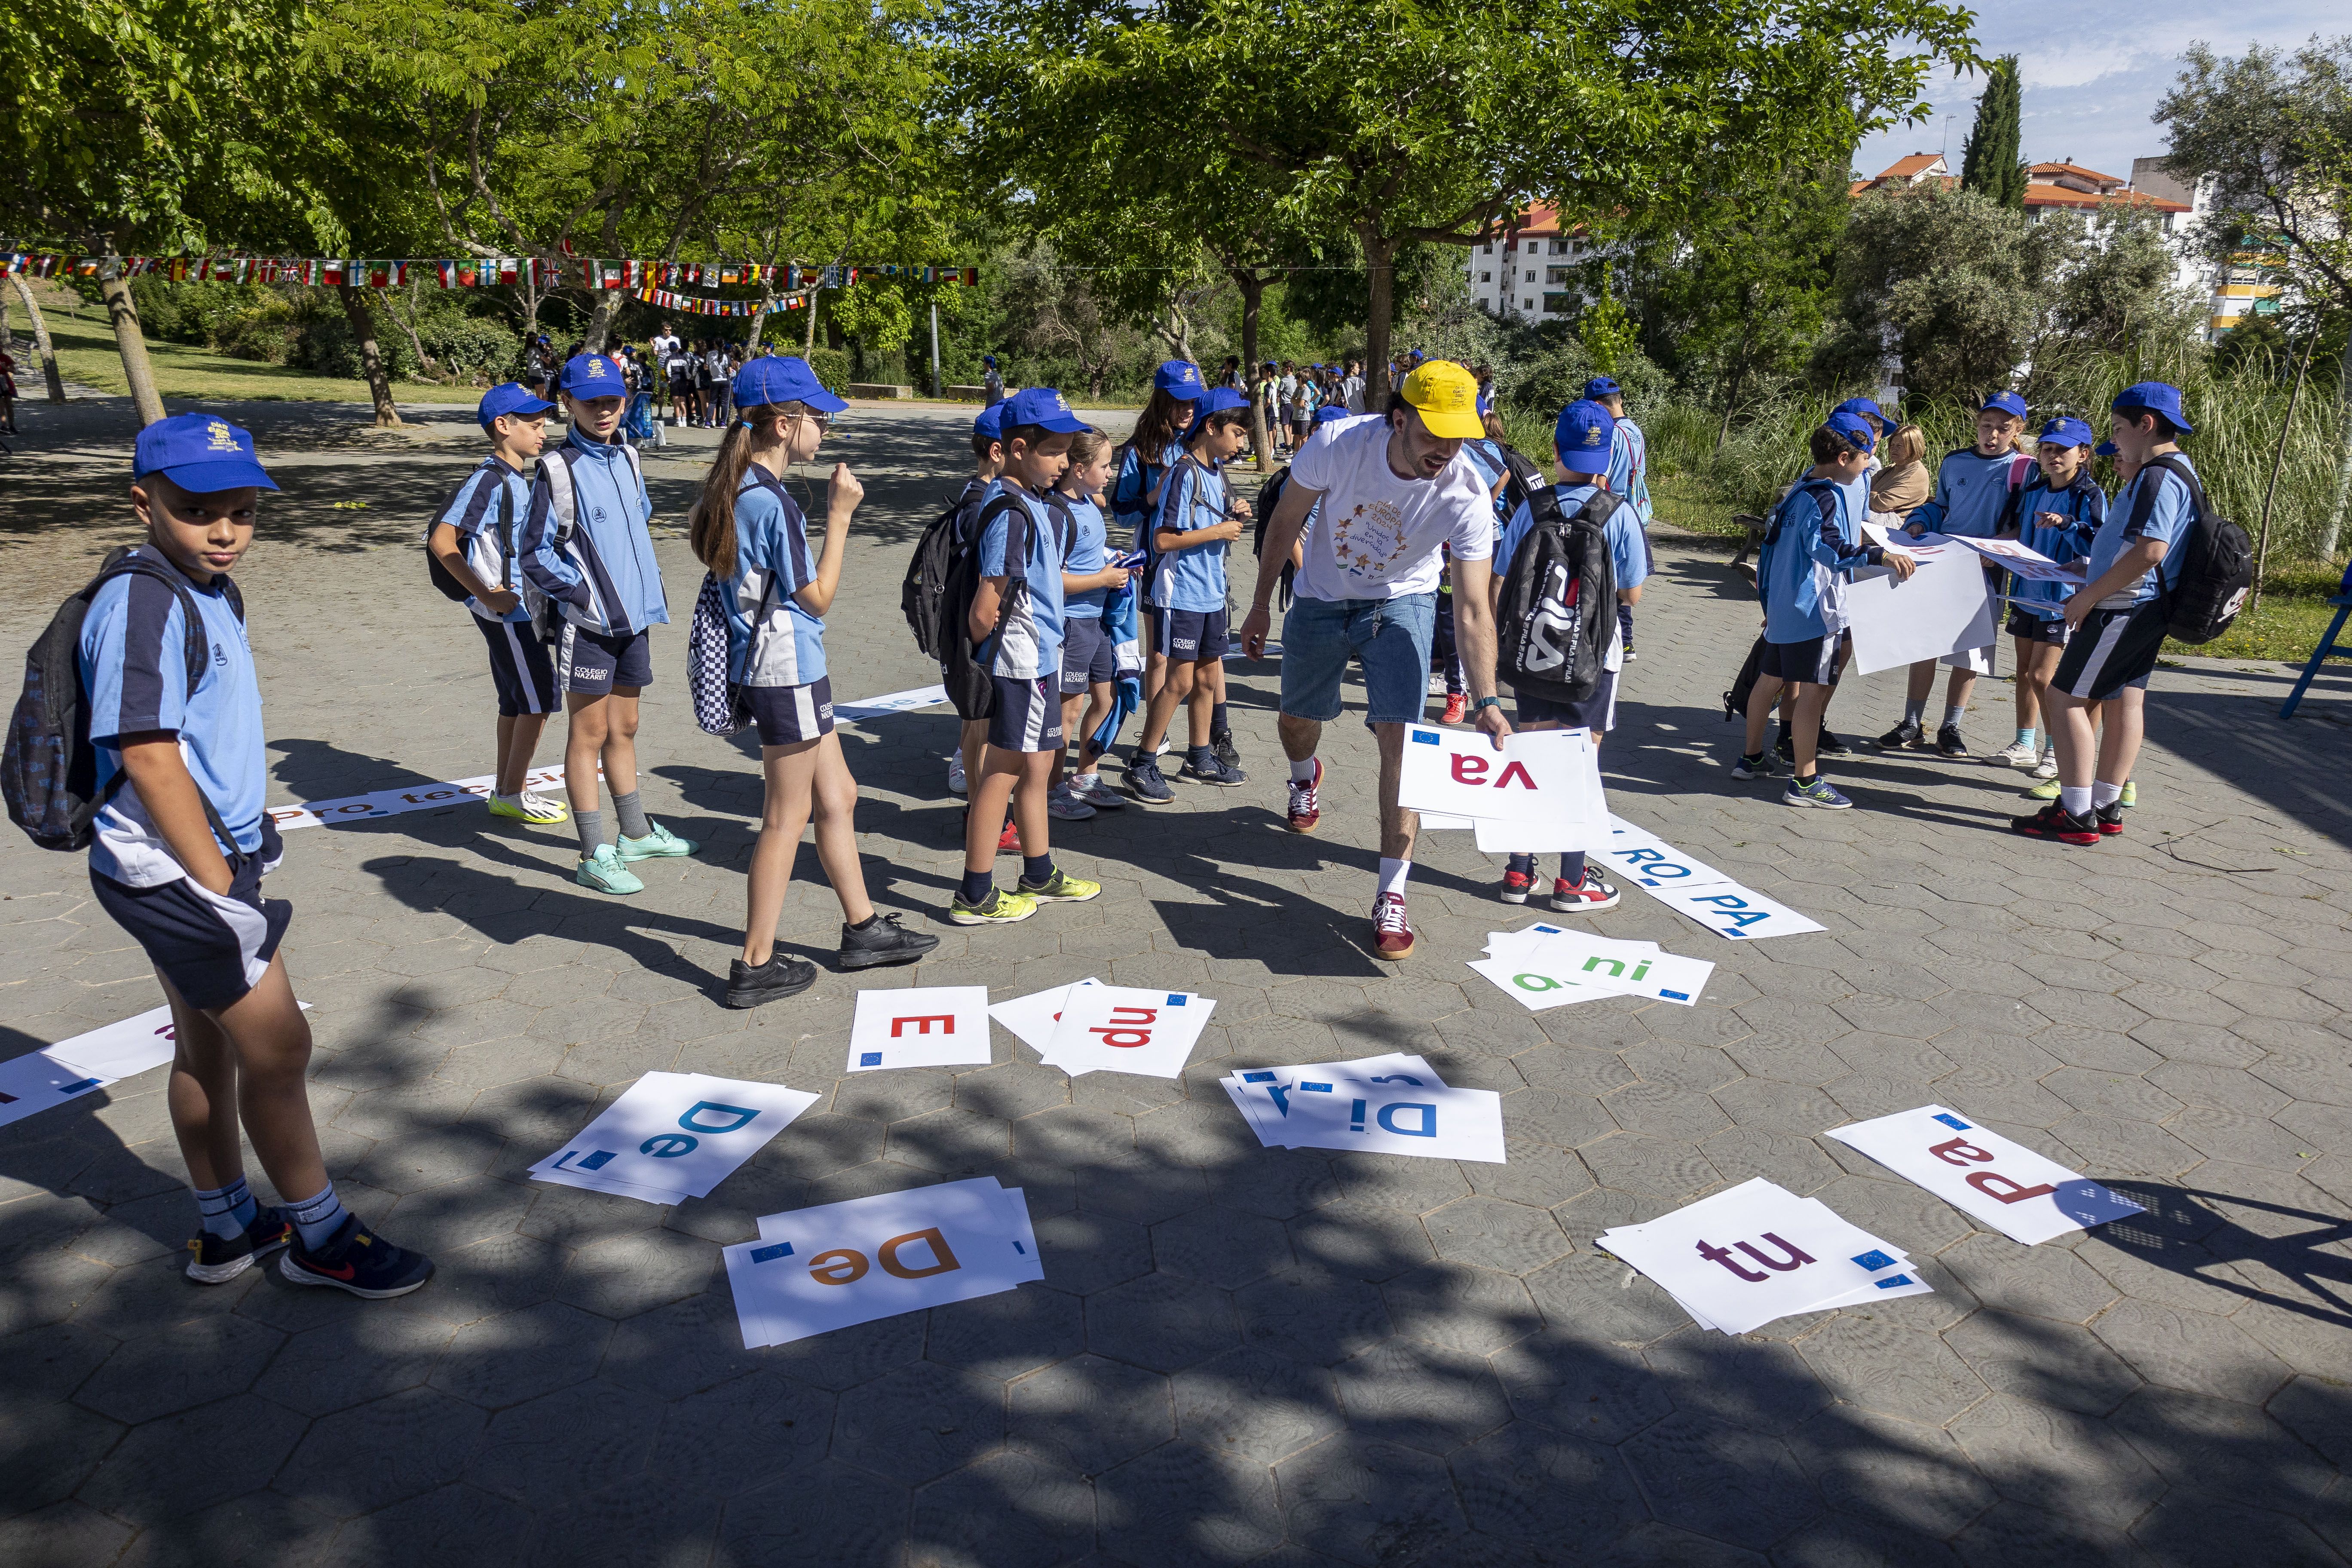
2217 566
941 582
922 597
48 772
1559 597
449 584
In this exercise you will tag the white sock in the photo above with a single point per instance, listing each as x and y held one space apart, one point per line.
1953 714
1303 772
2075 798
2105 793
1394 874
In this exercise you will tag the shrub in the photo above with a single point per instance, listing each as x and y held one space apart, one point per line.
831 367
469 347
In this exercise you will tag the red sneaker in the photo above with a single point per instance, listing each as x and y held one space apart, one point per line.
1456 704
1516 885
1304 811
2053 821
1009 840
1589 897
1391 933
2111 821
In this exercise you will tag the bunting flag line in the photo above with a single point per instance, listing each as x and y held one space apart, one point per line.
480 271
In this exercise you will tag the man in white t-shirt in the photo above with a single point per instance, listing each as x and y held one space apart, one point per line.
1389 492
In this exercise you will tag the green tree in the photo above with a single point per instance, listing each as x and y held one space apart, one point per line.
1990 163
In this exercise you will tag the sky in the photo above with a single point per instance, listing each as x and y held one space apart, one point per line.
2092 72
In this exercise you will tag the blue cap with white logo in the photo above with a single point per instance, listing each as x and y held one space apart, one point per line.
1179 379
1868 410
1581 437
783 380
1858 433
1331 413
1043 407
509 397
594 376
200 453
2154 397
1601 387
2003 402
991 422
2066 431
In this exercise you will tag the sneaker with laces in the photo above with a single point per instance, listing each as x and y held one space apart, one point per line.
1817 791
1630 655
658 843
1434 687
882 944
1209 770
1457 707
1391 932
531 809
1304 811
2016 755
213 1260
1221 742
1949 744
1090 788
999 908
2110 819
1903 737
1589 897
2047 767
2055 822
2130 797
1785 747
956 784
604 872
1516 885
1827 744
783 976
355 1260
1064 805
2046 790
1762 766
1061 888
1146 783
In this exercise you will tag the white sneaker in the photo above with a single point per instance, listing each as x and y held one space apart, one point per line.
2016 755
1437 687
1064 806
2047 768
955 772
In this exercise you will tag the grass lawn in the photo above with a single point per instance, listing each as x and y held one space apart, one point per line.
87 354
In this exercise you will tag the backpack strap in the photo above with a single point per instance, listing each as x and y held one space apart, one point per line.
1065 522
563 499
195 652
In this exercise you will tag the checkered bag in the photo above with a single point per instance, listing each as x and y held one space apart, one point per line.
721 706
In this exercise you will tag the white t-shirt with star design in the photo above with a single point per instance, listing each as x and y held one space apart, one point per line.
1377 536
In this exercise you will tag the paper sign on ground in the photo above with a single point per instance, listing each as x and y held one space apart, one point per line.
119 1051
1741 1258
1261 1094
1504 948
1532 779
1124 1029
33 1083
1396 1118
1032 1018
816 1269
672 1136
1650 862
1553 970
2005 1186
929 1027
1944 607
1741 913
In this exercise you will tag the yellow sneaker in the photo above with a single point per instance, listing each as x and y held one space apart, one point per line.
533 809
999 908
1061 889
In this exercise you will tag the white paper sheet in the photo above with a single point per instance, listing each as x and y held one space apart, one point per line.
1121 1029
1571 960
1648 861
1741 913
119 1051
32 1083
1430 1123
1993 1181
930 1026
1945 607
1032 1018
1535 778
672 1136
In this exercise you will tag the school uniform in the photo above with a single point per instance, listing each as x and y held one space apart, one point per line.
1811 550
1971 500
1023 655
2117 643
1188 586
488 511
1089 657
584 545
776 644
1629 560
2038 606
211 947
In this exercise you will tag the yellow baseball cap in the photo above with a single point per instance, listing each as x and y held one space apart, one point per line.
1446 397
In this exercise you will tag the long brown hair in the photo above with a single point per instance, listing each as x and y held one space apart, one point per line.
1155 427
710 526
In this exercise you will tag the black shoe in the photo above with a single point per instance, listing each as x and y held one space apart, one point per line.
1786 747
1902 736
1949 744
1829 745
885 942
213 1261
355 1260
780 977
1222 743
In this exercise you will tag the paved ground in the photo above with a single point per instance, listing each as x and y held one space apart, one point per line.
1237 1356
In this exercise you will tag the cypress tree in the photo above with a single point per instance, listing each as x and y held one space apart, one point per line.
1990 163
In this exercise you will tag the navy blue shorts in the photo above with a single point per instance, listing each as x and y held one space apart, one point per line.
519 668
1596 712
1813 661
1028 716
594 664
787 715
1193 637
1087 656
2027 627
211 947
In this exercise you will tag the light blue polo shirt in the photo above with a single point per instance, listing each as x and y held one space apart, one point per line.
475 512
1032 644
1195 579
1090 540
772 562
2155 505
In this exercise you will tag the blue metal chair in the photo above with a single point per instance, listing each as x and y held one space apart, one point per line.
2328 647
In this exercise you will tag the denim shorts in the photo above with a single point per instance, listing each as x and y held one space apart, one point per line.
1391 636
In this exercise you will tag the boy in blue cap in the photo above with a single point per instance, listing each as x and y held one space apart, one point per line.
2057 515
1584 443
1192 533
585 546
1974 486
987 462
1811 550
1016 630
477 538
2116 621
1629 476
177 854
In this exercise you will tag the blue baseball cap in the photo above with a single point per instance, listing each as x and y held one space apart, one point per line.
200 453
784 380
988 360
2154 397
1859 432
1215 400
1043 407
1867 409
593 375
991 422
2003 402
509 397
2104 449
1601 387
1581 434
2067 432
1179 379
1331 413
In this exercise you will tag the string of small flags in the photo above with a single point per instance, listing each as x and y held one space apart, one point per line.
472 272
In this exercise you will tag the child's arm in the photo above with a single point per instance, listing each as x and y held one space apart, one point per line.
987 603
541 562
175 804
450 549
842 496
1167 536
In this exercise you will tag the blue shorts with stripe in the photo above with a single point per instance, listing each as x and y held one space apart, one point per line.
519 668
1028 716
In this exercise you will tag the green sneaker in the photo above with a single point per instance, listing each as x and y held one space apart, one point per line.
1063 888
999 908
659 843
2130 795
604 872
2046 790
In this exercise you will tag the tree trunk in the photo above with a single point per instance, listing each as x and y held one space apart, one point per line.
1252 288
1379 268
379 380
41 339
808 345
759 322
2334 531
132 345
407 325
600 319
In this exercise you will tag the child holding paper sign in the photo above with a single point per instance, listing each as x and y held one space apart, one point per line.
2056 515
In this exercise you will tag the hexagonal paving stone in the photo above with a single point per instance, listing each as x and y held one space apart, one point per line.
2038 1360
1586 1389
1221 1245
1312 1317
1422 1396
1160 1323
1187 1505
2047 1281
1255 1405
1367 1502
1493 1233
1010 1509
918 1422
1736 1486
1891 1370
188 1364
360 1459
1086 1414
